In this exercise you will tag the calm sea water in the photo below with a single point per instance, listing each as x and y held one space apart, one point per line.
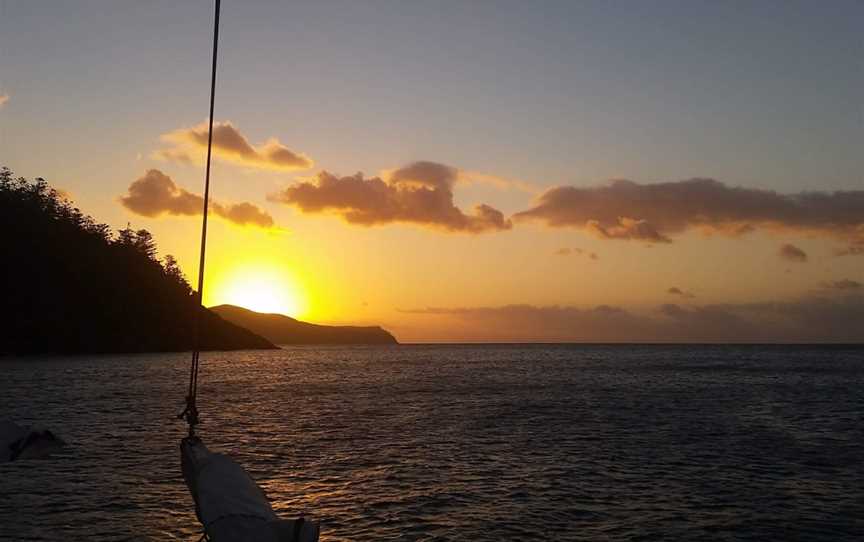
456 442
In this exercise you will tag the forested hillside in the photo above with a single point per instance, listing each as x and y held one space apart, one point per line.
72 285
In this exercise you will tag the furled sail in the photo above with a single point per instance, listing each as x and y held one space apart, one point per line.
230 505
228 502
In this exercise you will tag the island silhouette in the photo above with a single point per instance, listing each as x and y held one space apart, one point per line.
72 285
281 329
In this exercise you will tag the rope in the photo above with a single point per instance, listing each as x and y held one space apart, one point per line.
190 413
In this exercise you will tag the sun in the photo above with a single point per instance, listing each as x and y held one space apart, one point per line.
262 290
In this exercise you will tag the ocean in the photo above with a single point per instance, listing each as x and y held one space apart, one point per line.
465 442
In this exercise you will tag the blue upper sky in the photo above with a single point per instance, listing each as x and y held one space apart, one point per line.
765 94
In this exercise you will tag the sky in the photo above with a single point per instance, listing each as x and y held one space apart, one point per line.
470 171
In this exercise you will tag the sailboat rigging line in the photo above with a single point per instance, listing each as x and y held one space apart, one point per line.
191 411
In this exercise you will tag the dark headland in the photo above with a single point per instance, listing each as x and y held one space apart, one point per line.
71 285
281 329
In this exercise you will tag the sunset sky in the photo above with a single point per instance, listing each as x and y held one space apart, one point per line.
468 171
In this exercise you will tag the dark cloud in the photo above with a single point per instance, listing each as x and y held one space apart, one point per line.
843 284
420 193
674 290
628 229
190 144
812 319
792 253
653 212
156 194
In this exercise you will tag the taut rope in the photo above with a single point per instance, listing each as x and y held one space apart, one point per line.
190 413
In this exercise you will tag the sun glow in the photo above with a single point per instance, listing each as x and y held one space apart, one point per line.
261 289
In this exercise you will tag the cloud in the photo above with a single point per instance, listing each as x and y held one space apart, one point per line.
419 193
654 212
477 177
842 284
4 98
156 194
190 146
852 250
627 228
792 253
810 319
244 214
674 290
566 251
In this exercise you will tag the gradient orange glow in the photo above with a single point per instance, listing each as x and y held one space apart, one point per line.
259 286
560 169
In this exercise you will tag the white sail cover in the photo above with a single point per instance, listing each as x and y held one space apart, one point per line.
230 505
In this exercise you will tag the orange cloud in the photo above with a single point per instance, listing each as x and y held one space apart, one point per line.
420 193
654 212
190 146
156 194
3 99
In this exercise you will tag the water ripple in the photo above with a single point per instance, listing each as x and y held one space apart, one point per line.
456 442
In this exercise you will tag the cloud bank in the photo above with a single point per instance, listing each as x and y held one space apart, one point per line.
419 193
156 194
655 212
818 319
843 284
856 249
189 145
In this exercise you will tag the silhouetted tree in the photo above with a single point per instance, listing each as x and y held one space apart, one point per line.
70 286
126 236
145 244
173 271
